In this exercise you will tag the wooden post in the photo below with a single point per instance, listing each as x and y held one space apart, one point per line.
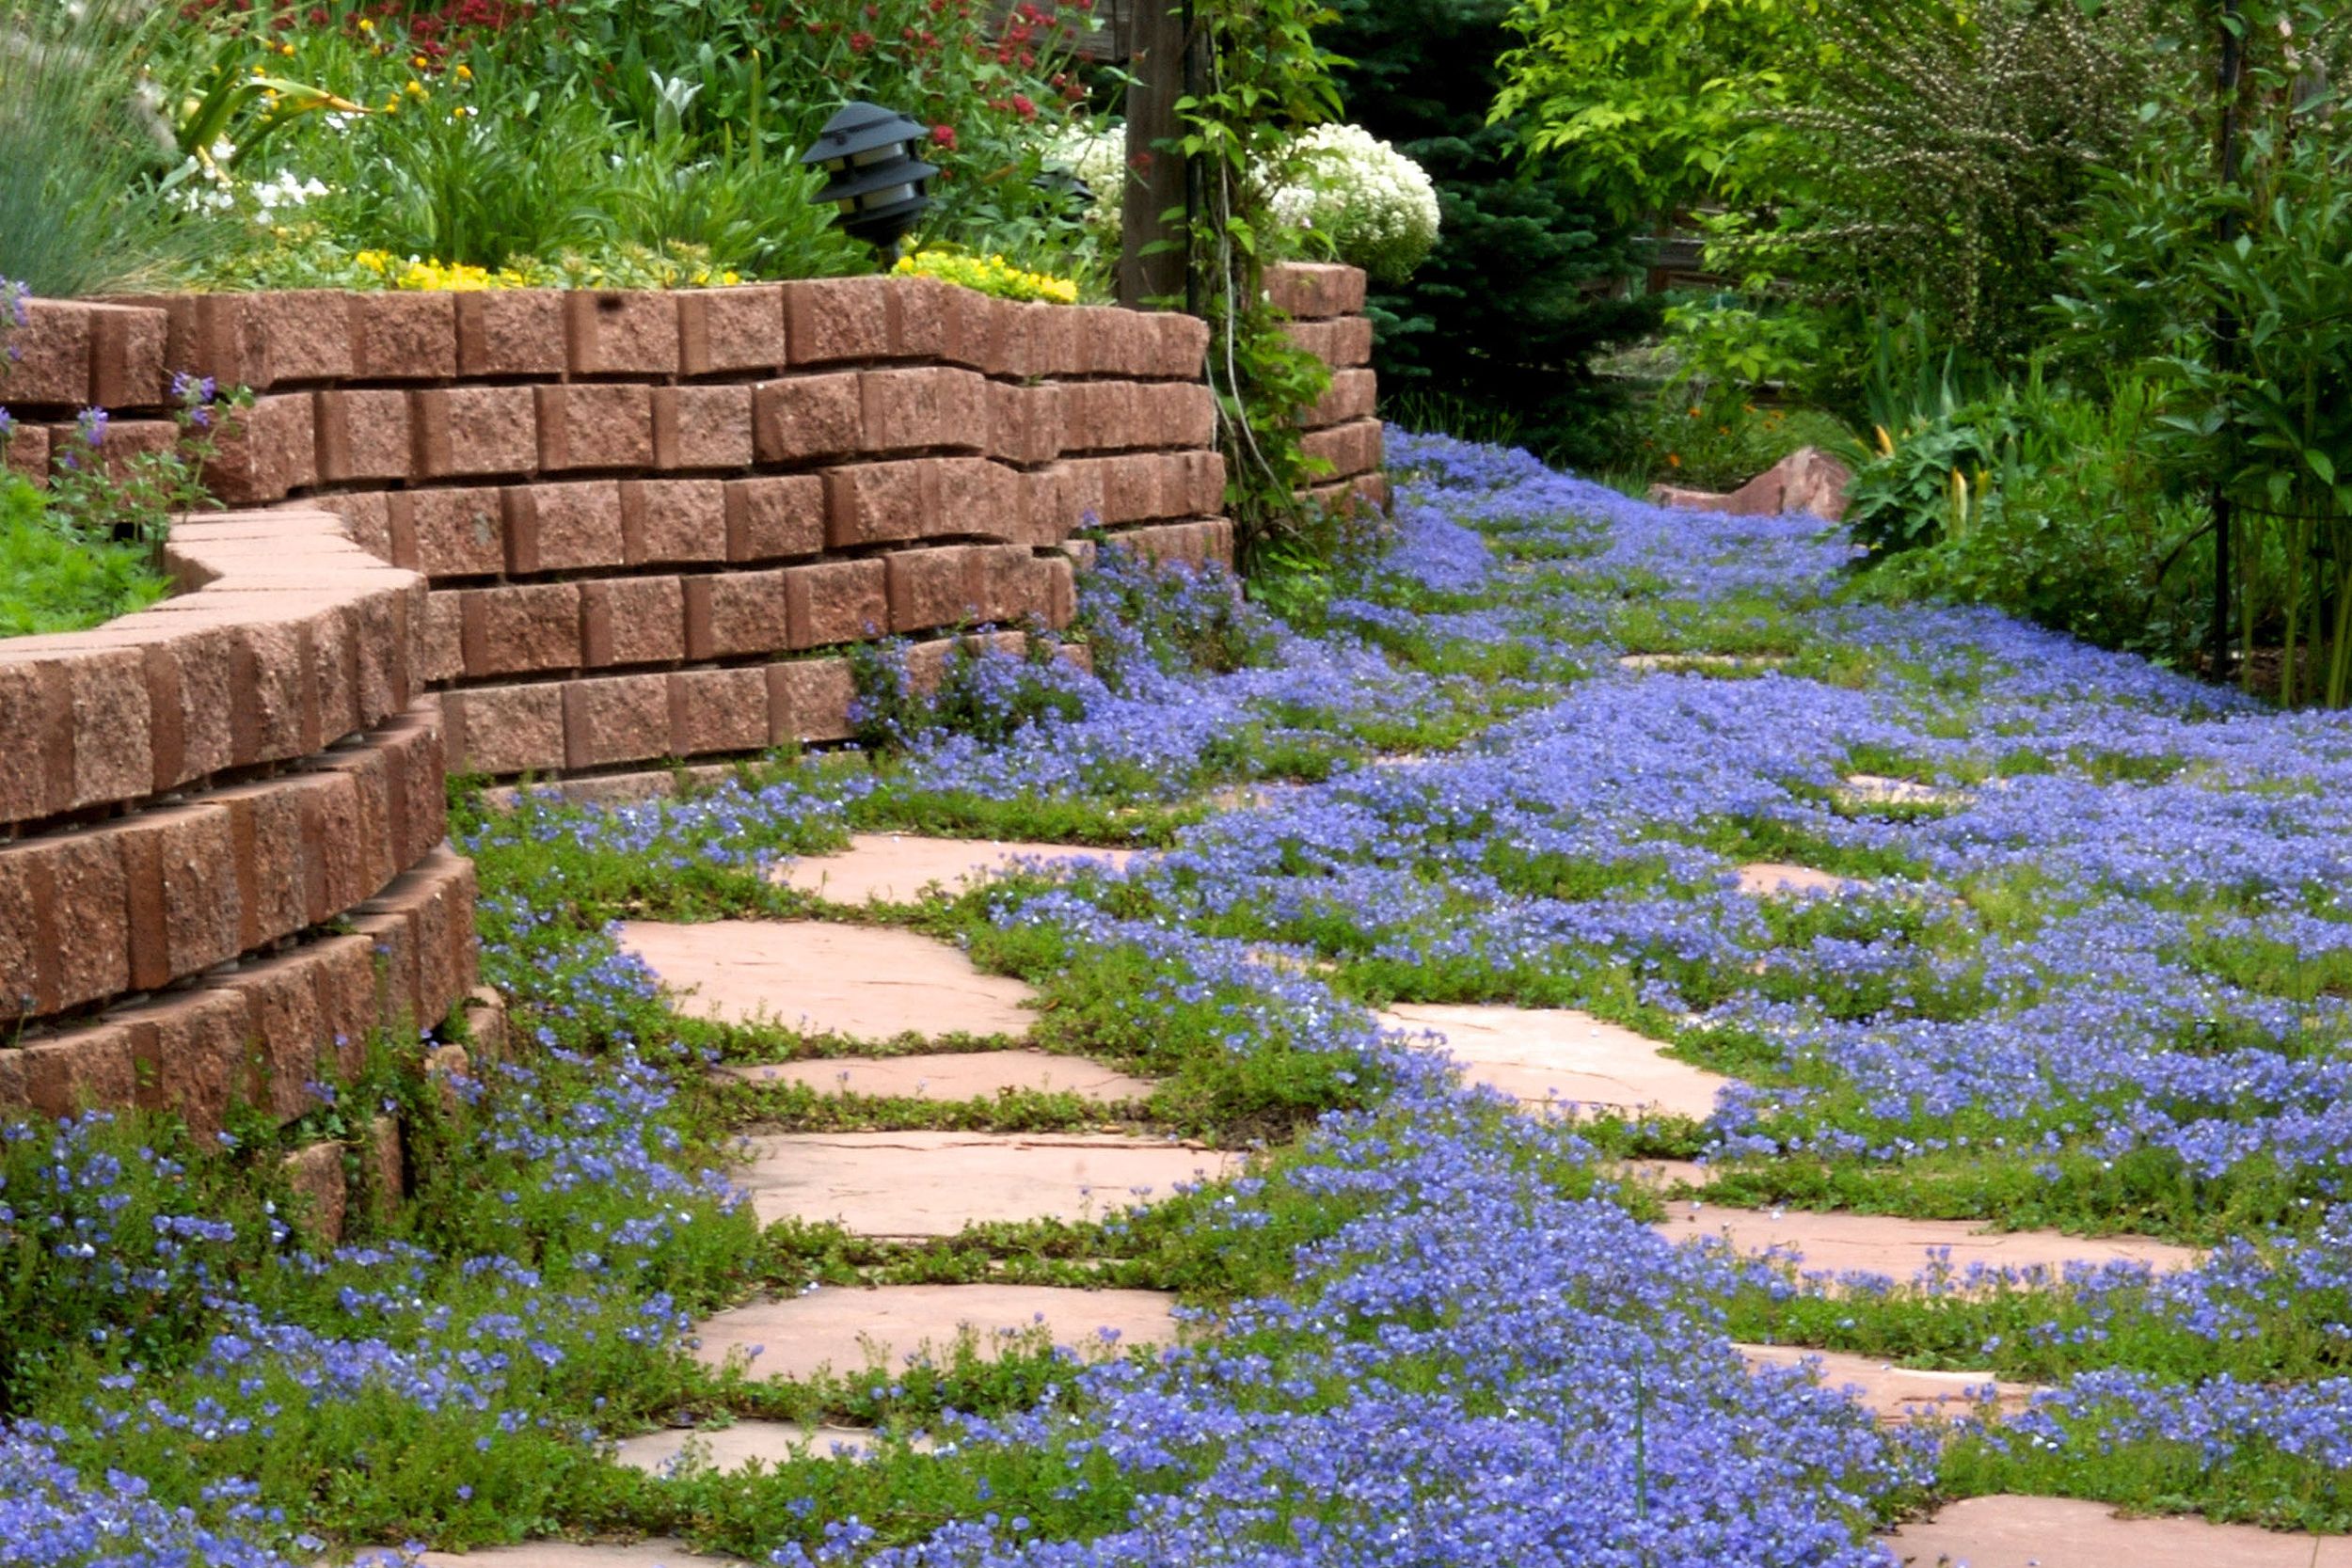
1155 178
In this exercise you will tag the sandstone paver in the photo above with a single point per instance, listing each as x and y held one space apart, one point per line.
948 1075
1893 1244
1770 878
895 868
2068 1532
1895 1394
1874 789
865 982
935 1184
1700 663
737 1446
1534 1054
848 1329
569 1554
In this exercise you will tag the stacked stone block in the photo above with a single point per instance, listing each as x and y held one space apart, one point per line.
651 522
223 857
1326 305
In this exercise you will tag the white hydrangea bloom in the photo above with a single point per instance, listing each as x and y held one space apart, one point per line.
1377 206
1101 161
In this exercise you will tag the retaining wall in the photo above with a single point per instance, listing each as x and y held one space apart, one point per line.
651 520
222 838
521 531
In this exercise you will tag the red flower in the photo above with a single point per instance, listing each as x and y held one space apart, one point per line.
1023 107
944 136
861 42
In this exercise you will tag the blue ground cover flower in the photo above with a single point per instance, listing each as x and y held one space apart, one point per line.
2098 972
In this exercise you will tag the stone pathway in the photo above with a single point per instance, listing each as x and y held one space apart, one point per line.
846 1330
1537 1055
2065 1532
864 981
912 1185
1895 1394
946 1075
895 868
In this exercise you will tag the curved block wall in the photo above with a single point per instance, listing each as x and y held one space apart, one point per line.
511 533
223 861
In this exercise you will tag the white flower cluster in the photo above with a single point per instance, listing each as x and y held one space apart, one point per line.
1376 206
1101 161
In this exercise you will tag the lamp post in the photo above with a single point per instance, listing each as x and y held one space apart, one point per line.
875 178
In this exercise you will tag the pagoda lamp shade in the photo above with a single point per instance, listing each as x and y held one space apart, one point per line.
872 173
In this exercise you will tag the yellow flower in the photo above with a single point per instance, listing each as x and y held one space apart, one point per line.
465 73
366 26
414 90
420 62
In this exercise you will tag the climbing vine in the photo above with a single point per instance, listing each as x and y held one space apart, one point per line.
1258 78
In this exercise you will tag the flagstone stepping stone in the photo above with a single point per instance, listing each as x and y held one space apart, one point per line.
946 1075
895 868
850 1329
1701 663
2069 1532
1777 879
734 1447
573 1554
863 981
1539 1055
1839 1242
1874 789
1896 1394
906 1184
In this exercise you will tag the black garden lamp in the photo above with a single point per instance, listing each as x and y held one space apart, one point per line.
876 180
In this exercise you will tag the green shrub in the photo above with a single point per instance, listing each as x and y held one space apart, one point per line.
2044 502
1937 151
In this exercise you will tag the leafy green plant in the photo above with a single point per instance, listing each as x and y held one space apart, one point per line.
2239 289
2049 503
484 175
1646 105
1265 78
52 581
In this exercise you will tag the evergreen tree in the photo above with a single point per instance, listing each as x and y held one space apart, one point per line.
1506 317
